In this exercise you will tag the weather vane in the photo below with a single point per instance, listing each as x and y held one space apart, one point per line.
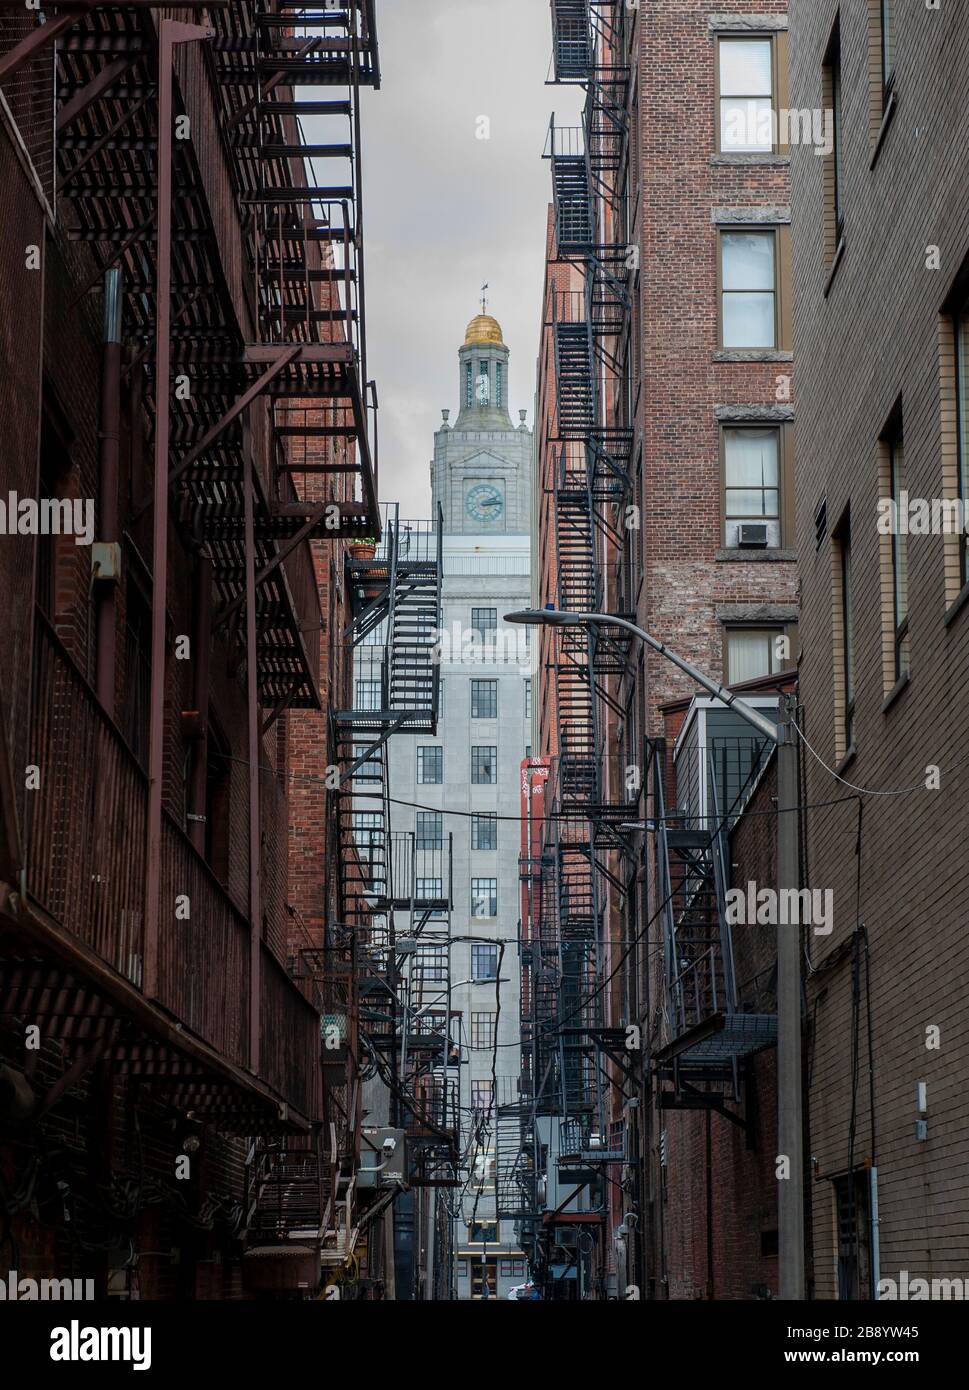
484 298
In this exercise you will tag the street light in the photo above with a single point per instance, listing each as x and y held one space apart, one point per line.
790 1197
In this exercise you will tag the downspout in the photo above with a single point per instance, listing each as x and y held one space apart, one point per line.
199 725
107 566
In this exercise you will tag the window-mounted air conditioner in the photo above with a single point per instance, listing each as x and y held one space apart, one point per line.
752 536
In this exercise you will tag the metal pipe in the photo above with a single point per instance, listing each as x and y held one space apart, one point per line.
255 832
110 434
170 33
201 654
790 1137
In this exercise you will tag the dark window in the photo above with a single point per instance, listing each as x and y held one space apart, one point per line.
846 654
484 832
962 415
896 471
484 623
430 830
483 1030
484 961
888 47
484 765
484 699
484 897
833 83
430 765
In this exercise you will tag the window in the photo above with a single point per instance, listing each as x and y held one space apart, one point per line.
895 445
462 1269
428 890
751 477
430 766
364 825
962 422
888 48
482 1094
752 652
834 170
844 643
431 967
469 385
499 383
483 1166
482 1232
483 1030
484 961
484 897
430 830
484 832
528 699
484 699
370 768
484 765
484 622
746 87
749 289
368 695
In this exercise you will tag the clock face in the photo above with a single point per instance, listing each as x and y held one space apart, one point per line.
483 389
484 503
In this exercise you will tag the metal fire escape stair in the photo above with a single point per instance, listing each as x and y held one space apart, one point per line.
708 1034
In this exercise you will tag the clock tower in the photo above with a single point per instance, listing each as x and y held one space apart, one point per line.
482 464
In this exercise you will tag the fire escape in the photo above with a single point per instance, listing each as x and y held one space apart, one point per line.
570 1049
397 895
242 322
709 1030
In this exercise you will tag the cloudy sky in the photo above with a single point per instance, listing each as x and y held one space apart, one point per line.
445 211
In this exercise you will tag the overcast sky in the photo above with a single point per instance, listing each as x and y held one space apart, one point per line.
445 211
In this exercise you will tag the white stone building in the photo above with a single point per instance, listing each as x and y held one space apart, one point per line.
469 775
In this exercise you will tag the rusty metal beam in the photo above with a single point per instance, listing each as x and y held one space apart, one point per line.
44 34
171 33
304 532
84 96
255 835
99 144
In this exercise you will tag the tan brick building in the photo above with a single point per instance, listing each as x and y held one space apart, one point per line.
881 279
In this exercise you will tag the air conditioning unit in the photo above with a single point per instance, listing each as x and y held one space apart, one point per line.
752 536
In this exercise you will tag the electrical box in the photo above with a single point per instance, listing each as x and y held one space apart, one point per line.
383 1158
106 561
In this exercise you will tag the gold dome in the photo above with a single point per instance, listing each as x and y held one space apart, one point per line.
483 329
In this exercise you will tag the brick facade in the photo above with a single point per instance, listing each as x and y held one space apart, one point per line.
873 332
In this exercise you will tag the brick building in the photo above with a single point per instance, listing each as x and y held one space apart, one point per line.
881 278
173 567
671 503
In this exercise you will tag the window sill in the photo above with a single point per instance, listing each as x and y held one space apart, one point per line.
752 355
838 258
751 159
767 556
957 606
887 119
901 684
846 760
